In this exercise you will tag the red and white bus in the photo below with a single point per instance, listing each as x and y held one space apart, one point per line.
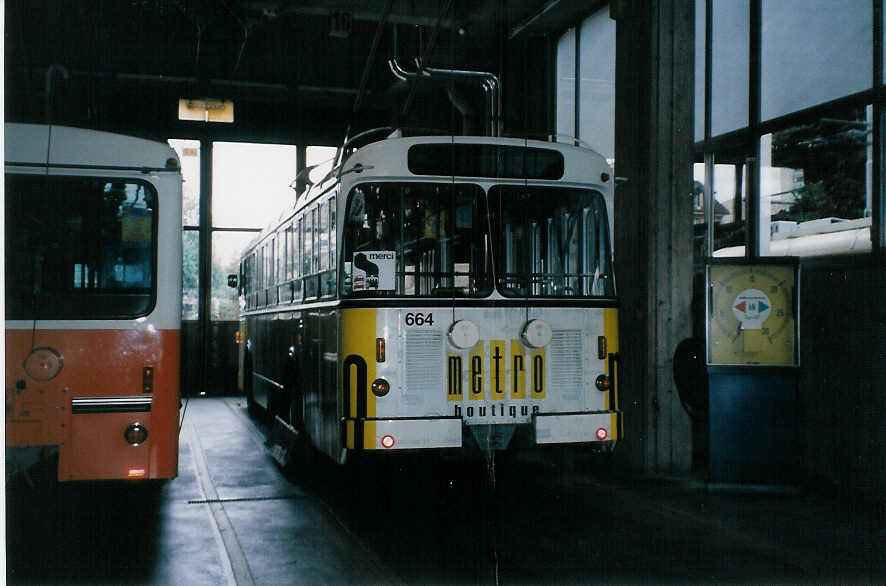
93 302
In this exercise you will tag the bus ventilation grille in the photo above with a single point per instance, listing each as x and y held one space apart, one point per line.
565 360
424 360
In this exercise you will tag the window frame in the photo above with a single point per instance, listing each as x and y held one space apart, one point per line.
749 138
108 295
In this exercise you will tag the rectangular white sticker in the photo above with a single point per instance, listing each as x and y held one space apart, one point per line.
374 270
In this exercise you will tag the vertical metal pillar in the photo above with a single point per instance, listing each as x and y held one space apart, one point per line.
205 256
576 131
752 163
878 214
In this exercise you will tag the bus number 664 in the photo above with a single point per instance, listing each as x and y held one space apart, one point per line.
419 319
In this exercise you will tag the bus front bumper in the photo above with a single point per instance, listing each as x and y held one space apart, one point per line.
404 433
582 427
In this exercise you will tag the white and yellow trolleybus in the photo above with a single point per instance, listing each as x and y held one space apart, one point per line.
438 293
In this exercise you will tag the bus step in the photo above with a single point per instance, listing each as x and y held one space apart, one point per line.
281 441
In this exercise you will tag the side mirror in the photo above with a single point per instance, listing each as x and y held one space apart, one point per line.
232 281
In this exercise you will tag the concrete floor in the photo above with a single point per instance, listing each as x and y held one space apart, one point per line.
234 517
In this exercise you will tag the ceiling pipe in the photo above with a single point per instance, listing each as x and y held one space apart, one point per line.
401 73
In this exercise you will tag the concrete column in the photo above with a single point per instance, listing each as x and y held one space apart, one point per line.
653 225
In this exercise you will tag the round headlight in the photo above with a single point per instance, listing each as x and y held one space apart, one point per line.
380 387
464 334
537 333
602 383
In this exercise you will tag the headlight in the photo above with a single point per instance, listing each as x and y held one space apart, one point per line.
380 387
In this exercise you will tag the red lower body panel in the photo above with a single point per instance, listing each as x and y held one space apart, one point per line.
107 381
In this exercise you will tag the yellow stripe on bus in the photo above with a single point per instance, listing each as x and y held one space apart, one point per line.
610 330
358 337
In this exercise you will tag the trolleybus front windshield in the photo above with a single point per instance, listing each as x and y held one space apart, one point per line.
551 241
79 247
416 239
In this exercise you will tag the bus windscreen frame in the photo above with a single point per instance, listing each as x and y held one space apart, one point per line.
95 261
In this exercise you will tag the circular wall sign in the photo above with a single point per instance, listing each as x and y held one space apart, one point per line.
751 308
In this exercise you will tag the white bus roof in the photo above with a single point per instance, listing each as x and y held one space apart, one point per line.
27 144
389 156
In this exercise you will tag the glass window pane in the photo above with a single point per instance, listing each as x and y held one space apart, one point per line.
813 51
248 280
290 251
272 262
250 183
281 257
699 221
332 260
323 237
323 157
300 247
190 274
597 63
79 247
730 206
730 43
308 245
315 240
815 187
566 86
551 242
422 239
700 80
330 277
189 154
226 250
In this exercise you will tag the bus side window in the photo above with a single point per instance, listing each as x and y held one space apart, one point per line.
260 276
299 247
272 275
329 277
315 240
310 252
247 280
332 257
298 255
322 238
290 249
